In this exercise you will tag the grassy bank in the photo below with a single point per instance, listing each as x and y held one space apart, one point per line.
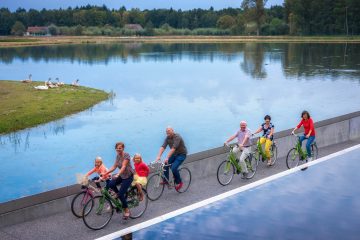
22 106
35 41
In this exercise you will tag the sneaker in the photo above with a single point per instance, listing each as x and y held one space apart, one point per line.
309 159
244 175
179 186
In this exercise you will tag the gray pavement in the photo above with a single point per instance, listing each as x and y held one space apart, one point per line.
66 226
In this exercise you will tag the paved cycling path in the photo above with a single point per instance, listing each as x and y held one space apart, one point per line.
66 226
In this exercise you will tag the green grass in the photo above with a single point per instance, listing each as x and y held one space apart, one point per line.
22 106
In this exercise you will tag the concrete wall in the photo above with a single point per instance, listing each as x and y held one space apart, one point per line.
329 132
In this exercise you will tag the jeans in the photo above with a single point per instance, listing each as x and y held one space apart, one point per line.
125 184
175 161
98 184
310 140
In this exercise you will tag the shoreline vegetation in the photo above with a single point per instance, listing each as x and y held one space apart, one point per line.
11 41
22 106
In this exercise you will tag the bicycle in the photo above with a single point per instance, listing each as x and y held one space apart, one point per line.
297 154
230 166
80 199
261 154
98 211
155 185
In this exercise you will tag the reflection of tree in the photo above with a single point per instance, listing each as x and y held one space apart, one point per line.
253 63
94 53
335 60
127 237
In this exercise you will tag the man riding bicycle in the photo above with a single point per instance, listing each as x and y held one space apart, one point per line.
243 150
175 157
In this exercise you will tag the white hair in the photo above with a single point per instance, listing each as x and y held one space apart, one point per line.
243 122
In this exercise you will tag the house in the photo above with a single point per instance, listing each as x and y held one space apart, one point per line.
135 27
37 31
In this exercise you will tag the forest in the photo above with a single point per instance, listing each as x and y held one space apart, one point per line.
294 17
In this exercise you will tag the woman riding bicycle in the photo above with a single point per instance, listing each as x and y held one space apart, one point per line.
309 133
267 137
125 176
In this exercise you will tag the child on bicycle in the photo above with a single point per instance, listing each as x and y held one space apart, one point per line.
140 176
101 170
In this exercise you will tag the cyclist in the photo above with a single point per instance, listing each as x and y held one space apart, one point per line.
100 169
125 176
243 150
175 157
267 137
309 132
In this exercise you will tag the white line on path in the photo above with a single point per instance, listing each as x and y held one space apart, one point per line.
221 196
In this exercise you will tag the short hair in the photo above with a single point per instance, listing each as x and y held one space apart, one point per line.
98 158
267 117
305 112
119 143
243 122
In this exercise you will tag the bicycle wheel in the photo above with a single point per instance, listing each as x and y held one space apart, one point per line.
100 213
292 158
154 188
137 207
78 203
251 164
314 151
274 153
225 172
185 175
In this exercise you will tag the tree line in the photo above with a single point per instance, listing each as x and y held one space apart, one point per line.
295 17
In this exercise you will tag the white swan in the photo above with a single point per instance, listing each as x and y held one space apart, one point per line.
76 83
42 87
59 83
27 80
50 84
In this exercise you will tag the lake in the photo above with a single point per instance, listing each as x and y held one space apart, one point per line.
202 90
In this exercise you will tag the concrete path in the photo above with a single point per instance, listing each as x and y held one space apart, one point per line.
66 226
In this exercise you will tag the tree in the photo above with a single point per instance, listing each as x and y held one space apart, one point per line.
6 21
254 11
53 30
225 22
18 29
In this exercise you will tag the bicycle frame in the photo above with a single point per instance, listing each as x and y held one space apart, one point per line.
105 194
233 160
161 171
260 150
299 149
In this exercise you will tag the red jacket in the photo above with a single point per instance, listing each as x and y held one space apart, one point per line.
308 125
141 169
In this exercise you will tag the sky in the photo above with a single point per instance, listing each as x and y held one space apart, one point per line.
142 4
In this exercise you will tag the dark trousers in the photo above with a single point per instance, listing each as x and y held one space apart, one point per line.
175 161
98 184
125 184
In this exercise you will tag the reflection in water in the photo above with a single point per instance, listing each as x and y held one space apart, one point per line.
202 90
253 63
314 60
286 208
